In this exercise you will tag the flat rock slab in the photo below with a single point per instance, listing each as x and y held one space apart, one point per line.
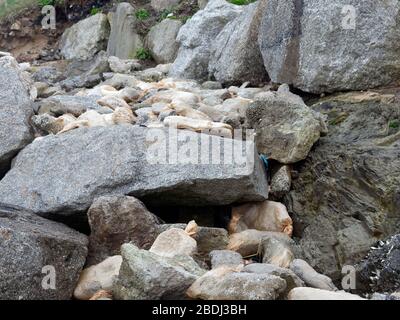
32 249
63 174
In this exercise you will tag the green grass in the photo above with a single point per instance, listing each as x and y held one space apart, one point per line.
142 14
94 11
241 2
143 54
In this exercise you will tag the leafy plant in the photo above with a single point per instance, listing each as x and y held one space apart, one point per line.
394 124
94 11
142 14
143 54
43 3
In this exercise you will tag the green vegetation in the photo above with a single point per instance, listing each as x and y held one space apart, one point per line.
142 14
43 3
94 11
394 124
241 2
143 54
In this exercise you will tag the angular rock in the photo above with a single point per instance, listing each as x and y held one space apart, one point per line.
281 181
236 57
161 40
115 220
286 128
319 46
346 195
225 258
124 40
224 283
318 294
292 280
263 216
195 38
98 277
248 241
85 38
62 104
32 249
118 65
276 252
174 242
67 181
311 277
380 270
148 276
15 111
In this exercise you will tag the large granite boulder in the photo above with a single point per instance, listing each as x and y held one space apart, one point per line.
85 38
326 46
286 129
161 40
236 56
197 35
124 40
15 111
115 220
147 276
346 194
63 174
32 248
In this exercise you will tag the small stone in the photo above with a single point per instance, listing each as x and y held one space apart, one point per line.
318 294
276 252
225 258
174 242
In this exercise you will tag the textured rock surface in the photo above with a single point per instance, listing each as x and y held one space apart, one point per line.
292 280
196 36
15 111
236 57
315 45
145 275
347 192
281 181
225 284
160 5
115 220
173 242
276 252
380 270
124 40
318 294
85 38
29 243
161 40
61 104
88 164
286 129
98 277
225 258
311 277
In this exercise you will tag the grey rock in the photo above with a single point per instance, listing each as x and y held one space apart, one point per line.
211 85
62 104
83 81
118 65
304 293
66 182
236 57
160 5
292 280
95 65
47 74
286 129
29 243
202 3
161 40
225 258
15 111
346 194
314 46
311 277
275 251
224 284
379 271
124 40
115 220
148 276
85 38
281 181
195 38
